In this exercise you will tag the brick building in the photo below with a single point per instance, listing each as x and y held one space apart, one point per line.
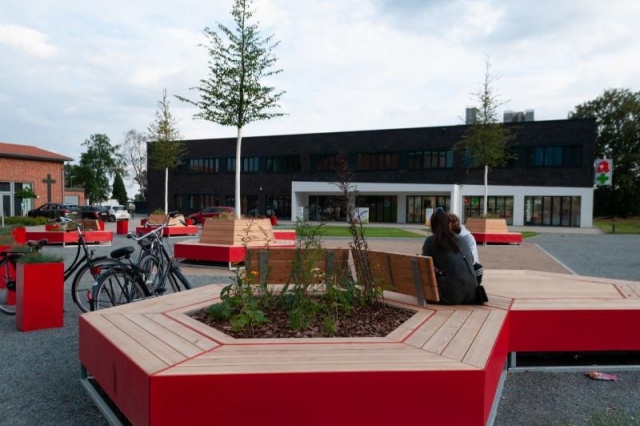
25 166
401 175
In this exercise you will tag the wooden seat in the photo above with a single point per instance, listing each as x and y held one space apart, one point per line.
492 231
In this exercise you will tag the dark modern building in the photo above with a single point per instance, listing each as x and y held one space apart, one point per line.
400 174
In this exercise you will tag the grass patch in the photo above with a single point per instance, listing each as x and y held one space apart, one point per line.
343 231
529 234
622 226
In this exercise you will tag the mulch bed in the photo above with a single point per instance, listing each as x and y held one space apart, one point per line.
373 321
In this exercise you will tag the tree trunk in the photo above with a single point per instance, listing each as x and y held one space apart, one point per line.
238 167
486 189
166 191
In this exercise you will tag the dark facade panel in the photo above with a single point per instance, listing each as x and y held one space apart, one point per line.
529 136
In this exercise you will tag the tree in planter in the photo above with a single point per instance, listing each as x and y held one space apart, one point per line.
617 114
233 94
166 149
486 142
119 190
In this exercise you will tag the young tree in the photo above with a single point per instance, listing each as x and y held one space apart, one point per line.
101 161
119 190
617 114
233 94
134 152
486 142
166 150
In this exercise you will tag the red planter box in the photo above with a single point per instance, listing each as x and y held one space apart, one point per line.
40 296
122 227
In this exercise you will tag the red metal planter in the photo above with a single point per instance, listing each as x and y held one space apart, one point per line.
122 227
40 296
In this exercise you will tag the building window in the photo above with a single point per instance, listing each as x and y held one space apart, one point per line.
377 161
323 163
501 207
554 156
203 165
250 165
283 163
420 207
552 211
440 159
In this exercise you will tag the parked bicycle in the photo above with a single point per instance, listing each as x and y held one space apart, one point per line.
87 267
8 281
130 281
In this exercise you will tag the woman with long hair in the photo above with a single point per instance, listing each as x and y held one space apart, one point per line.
453 261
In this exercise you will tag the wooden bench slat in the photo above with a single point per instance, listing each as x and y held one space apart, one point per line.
466 335
426 332
149 341
439 341
124 341
196 339
483 344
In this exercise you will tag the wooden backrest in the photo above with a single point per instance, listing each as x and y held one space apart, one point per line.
290 265
401 273
240 232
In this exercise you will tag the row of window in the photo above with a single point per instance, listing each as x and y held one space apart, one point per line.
550 156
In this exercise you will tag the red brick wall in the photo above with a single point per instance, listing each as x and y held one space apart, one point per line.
34 171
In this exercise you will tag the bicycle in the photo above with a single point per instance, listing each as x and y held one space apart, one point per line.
87 268
8 281
130 281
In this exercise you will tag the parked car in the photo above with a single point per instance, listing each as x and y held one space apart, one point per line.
95 212
117 213
208 212
55 211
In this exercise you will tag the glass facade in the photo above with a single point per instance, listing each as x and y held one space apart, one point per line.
501 207
417 206
552 211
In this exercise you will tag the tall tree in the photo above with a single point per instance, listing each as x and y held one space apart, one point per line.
166 149
119 190
617 114
134 153
233 94
486 142
101 161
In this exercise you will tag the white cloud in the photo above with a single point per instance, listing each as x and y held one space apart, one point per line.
23 39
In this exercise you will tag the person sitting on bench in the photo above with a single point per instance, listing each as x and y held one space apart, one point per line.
453 261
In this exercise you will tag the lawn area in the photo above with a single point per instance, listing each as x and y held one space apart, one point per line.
622 226
370 231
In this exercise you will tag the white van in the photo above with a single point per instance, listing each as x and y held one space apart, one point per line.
118 213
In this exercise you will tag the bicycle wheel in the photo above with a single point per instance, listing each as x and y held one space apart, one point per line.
116 287
150 268
85 278
7 288
177 281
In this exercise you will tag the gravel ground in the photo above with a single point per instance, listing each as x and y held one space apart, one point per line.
40 370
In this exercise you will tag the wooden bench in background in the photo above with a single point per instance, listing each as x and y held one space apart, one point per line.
492 231
176 227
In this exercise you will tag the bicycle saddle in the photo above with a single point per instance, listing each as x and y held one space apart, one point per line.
122 252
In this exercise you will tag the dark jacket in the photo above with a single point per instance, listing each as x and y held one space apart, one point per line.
456 281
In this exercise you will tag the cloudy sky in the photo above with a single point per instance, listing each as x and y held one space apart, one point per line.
72 68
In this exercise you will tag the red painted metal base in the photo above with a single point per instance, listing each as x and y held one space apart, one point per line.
40 296
510 238
172 231
60 237
194 250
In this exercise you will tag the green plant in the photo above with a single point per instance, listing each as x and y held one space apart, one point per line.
158 210
40 258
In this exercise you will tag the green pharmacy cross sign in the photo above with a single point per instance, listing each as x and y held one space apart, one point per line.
604 172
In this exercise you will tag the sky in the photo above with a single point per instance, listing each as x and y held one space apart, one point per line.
73 68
